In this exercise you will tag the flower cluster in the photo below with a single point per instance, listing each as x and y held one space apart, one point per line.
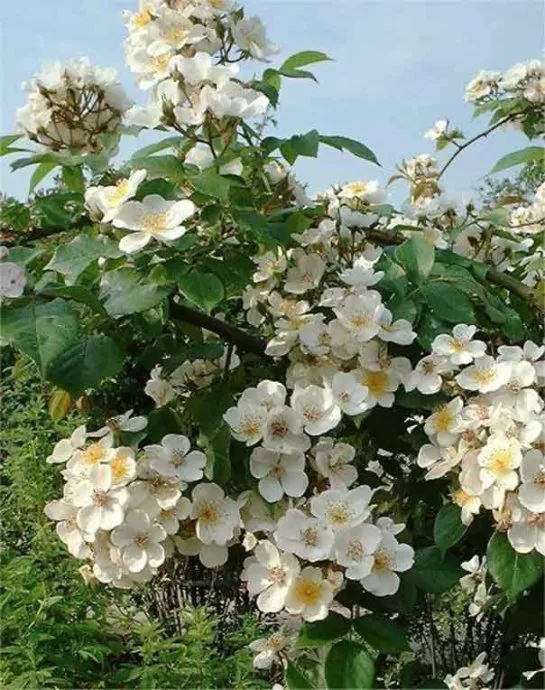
119 509
477 676
70 107
524 80
170 48
489 436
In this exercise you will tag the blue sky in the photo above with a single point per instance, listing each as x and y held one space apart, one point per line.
399 66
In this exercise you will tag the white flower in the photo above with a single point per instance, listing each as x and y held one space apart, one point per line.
476 573
278 473
317 407
438 461
349 395
174 459
437 131
342 508
154 492
210 555
160 390
361 274
364 191
108 200
250 36
170 518
200 68
444 423
101 505
459 348
202 156
139 540
268 649
267 394
268 265
284 431
310 595
65 449
485 83
304 536
65 514
153 217
399 332
12 279
247 421
380 386
532 490
123 466
499 460
361 315
517 394
484 375
269 574
306 275
528 532
333 461
354 548
121 423
390 557
217 516
426 376
231 99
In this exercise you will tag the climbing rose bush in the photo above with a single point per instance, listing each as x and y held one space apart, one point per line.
347 393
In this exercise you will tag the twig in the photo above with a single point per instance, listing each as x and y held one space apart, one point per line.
232 334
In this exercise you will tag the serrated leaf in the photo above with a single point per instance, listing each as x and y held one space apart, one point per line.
72 259
382 634
125 292
203 289
86 363
513 572
76 292
417 258
42 331
527 155
348 665
351 145
323 632
448 527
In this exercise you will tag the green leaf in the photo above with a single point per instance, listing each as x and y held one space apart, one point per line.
448 303
417 258
306 57
296 679
209 182
351 145
6 141
448 527
53 208
76 292
432 572
125 292
42 331
86 363
300 145
349 665
531 153
73 178
161 166
382 634
42 171
323 632
149 150
73 258
218 455
203 289
513 572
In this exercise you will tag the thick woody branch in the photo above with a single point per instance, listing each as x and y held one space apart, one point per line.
244 341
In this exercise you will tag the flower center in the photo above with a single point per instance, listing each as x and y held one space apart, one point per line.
354 550
93 455
382 561
154 222
443 419
539 479
312 414
118 194
459 344
338 514
500 461
279 429
250 427
141 539
120 468
375 382
100 498
310 536
208 513
308 592
277 575
178 458
484 376
276 642
160 63
359 320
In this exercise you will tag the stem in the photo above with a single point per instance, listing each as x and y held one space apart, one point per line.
462 147
232 334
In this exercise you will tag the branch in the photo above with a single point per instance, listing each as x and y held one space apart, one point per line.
473 140
232 334
39 233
